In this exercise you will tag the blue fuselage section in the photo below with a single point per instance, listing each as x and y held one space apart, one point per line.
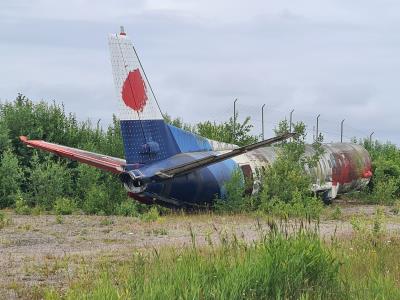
199 187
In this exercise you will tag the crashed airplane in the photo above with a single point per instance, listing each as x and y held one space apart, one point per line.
172 167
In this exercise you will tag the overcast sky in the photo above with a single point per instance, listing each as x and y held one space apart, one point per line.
340 59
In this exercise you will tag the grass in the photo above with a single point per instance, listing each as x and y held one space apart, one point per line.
288 261
5 220
232 271
282 265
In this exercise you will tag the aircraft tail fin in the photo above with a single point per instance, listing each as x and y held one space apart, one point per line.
145 134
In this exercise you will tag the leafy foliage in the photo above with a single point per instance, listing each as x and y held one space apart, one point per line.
384 187
285 188
21 206
11 176
223 132
48 180
40 178
233 195
64 206
127 208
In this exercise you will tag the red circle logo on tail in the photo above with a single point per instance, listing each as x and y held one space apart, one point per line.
134 91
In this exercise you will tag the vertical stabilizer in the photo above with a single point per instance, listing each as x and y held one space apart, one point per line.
136 100
144 133
146 136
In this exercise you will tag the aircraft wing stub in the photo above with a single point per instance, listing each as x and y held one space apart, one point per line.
188 167
101 161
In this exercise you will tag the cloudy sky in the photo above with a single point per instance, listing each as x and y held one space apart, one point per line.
340 59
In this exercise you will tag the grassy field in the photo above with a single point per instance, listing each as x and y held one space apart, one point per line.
353 252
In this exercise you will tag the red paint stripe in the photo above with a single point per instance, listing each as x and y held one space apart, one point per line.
103 164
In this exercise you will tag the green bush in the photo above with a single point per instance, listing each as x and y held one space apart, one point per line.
21 206
127 208
96 201
64 206
384 191
151 215
11 176
48 181
4 220
233 198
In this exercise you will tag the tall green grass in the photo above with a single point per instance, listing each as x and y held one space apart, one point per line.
286 263
277 267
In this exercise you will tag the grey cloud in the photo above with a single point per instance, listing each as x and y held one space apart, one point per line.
333 58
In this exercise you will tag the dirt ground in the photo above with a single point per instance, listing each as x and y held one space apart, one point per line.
44 251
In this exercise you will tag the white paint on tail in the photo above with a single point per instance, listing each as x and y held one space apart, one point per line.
136 101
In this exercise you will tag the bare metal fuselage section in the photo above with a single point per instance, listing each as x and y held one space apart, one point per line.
343 167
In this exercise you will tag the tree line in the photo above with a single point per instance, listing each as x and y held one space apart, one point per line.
32 179
35 179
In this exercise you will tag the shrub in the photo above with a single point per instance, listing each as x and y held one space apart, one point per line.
384 191
396 207
87 177
309 207
4 220
37 210
127 208
152 215
21 206
10 179
285 186
96 201
106 222
59 219
48 181
64 206
232 199
337 213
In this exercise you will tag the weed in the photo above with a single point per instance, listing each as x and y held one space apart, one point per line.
337 213
106 222
158 231
232 196
384 191
4 220
151 216
127 208
25 227
64 206
59 219
279 266
21 206
96 201
37 210
378 222
396 207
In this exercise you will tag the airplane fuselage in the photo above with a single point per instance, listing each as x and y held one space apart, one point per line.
342 167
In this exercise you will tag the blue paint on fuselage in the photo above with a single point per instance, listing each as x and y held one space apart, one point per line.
189 142
153 145
198 187
135 134
147 141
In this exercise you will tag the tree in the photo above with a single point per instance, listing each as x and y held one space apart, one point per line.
48 181
11 176
224 132
285 184
5 141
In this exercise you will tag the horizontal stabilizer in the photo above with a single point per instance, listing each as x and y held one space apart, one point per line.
188 167
107 163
